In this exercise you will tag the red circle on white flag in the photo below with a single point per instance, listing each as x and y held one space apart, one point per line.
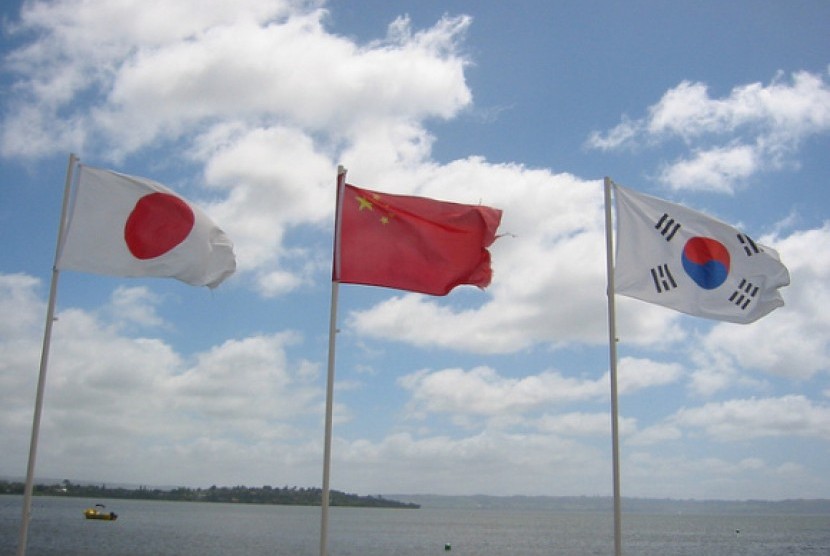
157 224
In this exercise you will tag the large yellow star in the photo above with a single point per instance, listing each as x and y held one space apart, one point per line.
364 203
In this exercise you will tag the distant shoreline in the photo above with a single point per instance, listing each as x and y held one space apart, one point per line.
629 505
312 497
284 496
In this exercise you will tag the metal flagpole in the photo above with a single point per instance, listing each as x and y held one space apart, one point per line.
612 347
335 288
44 357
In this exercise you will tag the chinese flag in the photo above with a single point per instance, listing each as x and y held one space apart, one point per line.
412 243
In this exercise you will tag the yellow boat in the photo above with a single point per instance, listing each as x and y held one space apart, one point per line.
94 513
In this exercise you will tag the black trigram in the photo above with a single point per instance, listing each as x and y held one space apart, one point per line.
749 246
744 294
667 226
663 280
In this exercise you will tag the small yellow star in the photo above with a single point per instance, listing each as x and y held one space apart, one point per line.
384 220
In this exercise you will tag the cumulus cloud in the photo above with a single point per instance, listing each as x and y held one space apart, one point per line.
489 457
81 50
581 424
136 305
247 410
733 420
23 311
655 434
137 401
791 342
636 374
483 391
717 169
263 97
714 478
755 128
153 80
741 420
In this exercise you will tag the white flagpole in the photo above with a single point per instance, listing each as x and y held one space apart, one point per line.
612 347
44 357
335 287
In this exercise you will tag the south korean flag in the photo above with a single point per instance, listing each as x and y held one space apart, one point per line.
670 255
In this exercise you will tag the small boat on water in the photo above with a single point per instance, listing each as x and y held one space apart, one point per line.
95 513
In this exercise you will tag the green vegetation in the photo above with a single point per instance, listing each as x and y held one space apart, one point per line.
287 496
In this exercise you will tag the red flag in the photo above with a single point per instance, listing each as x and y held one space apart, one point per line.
412 243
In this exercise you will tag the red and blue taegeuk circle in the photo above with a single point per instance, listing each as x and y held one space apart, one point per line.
706 261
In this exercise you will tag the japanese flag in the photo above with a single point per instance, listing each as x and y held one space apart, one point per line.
123 225
680 258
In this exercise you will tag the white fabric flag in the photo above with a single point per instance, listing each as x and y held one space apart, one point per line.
682 259
123 225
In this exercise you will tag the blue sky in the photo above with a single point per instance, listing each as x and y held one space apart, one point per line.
247 108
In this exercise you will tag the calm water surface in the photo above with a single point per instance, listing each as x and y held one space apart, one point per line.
203 529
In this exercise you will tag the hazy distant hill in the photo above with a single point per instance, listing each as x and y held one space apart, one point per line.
630 505
553 503
292 496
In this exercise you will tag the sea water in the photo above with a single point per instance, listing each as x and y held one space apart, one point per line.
151 528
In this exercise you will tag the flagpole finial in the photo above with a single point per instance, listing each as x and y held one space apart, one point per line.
341 169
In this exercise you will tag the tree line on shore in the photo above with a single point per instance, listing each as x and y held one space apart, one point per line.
287 496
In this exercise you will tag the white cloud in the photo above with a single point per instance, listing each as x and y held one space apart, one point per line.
264 61
713 376
136 305
636 374
755 128
490 458
82 46
18 296
715 169
794 340
248 388
622 135
482 391
275 179
712 477
21 331
140 404
654 435
737 420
